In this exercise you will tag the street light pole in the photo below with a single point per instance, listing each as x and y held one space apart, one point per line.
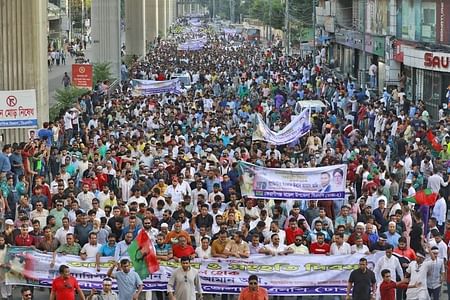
363 72
270 20
286 25
314 27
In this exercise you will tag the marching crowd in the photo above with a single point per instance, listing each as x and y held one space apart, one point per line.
116 164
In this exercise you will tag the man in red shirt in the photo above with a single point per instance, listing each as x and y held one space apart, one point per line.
182 249
387 287
24 239
253 291
65 286
292 231
319 247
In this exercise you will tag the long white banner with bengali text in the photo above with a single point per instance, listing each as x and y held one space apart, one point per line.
281 275
298 127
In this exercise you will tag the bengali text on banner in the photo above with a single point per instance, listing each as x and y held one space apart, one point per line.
281 275
298 127
294 183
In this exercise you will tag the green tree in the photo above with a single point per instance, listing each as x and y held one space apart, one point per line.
260 9
66 98
102 72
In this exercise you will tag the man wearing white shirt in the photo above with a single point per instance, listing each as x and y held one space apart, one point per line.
125 184
389 262
437 241
339 247
62 232
40 214
275 248
274 229
199 190
435 182
103 196
440 212
138 198
91 249
176 191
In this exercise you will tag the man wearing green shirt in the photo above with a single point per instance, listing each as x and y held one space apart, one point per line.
71 247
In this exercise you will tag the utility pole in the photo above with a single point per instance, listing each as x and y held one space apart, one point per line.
231 11
213 9
363 72
314 28
270 20
286 25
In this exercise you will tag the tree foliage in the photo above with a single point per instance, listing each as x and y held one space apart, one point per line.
102 72
65 98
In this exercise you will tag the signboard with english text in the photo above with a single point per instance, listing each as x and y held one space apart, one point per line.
18 109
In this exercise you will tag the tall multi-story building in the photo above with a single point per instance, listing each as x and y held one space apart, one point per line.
409 38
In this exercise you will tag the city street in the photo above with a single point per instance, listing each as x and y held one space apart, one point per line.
57 72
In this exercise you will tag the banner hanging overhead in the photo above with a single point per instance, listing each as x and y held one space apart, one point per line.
281 275
298 127
293 184
18 109
153 87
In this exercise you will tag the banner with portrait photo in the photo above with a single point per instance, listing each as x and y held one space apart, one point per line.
293 184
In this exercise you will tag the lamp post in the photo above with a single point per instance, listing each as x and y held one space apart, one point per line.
286 25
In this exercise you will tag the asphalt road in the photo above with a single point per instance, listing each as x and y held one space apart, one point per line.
56 74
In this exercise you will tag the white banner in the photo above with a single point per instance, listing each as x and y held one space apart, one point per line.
293 184
281 275
153 87
18 109
298 127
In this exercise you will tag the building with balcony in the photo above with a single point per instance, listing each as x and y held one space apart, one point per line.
410 37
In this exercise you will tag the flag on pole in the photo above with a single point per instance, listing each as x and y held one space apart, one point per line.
423 197
433 141
143 256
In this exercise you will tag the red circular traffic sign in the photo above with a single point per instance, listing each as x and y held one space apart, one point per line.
11 101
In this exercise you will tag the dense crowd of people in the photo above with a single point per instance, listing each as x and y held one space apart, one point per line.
116 164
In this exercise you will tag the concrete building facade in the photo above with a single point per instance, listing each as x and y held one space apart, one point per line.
23 56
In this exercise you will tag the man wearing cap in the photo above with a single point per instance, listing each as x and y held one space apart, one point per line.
392 234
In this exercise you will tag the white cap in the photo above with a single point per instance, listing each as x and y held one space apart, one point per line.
9 222
408 181
164 225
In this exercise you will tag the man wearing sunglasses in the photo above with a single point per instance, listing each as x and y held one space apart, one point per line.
253 291
106 294
64 286
26 292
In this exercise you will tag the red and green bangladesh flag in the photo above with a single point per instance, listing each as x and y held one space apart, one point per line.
434 141
423 197
143 256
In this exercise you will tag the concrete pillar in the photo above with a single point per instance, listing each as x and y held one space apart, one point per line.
106 34
162 17
135 27
151 20
23 56
173 6
169 16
